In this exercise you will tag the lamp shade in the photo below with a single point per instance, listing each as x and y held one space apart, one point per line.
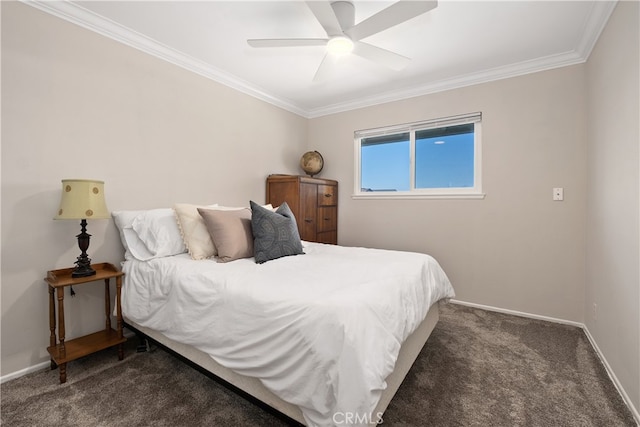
82 199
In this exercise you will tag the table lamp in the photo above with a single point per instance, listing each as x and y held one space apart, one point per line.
82 199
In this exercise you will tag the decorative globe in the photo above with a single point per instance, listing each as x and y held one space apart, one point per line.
312 163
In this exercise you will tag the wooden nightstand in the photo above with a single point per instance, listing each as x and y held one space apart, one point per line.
62 352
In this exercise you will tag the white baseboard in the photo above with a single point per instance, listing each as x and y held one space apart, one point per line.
25 371
610 372
613 377
518 313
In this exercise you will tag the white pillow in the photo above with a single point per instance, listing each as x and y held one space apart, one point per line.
137 248
158 230
148 234
123 221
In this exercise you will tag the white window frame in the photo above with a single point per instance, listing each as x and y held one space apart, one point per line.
474 192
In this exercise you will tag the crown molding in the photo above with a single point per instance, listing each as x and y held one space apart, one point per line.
600 13
87 19
499 73
597 20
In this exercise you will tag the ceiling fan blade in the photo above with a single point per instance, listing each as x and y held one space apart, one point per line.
395 14
325 15
326 67
381 56
286 42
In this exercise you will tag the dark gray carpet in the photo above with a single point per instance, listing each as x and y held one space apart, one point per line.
478 368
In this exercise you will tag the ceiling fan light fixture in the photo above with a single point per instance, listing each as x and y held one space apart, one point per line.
340 45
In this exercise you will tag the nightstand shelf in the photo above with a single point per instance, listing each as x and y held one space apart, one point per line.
62 351
83 346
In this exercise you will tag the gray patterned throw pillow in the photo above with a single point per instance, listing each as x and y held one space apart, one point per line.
275 234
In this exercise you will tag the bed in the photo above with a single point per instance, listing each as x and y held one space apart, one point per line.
324 337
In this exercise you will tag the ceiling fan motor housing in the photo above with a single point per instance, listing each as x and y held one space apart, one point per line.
345 13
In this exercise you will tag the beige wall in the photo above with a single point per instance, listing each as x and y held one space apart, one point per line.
78 105
517 249
613 193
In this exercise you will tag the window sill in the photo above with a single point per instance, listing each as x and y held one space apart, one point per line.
410 196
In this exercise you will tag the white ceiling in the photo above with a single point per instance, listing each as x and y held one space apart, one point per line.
458 43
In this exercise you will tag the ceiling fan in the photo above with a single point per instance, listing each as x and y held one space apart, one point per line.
344 36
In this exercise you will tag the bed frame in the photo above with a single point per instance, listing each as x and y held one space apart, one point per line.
252 389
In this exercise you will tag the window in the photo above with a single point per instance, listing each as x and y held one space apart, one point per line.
436 158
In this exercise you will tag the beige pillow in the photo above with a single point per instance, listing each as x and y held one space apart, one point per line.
230 231
195 235
194 232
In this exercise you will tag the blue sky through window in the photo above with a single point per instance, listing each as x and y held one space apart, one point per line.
385 167
442 161
445 162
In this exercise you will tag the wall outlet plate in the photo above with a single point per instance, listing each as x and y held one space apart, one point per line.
558 194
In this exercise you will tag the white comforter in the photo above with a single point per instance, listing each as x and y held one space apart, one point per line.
321 330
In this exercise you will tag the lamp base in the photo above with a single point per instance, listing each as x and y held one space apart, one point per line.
83 263
83 271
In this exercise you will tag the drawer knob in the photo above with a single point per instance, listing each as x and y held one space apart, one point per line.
308 220
327 219
327 195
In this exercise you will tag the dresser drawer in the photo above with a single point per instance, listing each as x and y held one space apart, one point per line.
327 219
327 195
330 237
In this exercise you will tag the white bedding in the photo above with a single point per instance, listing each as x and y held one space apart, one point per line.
321 330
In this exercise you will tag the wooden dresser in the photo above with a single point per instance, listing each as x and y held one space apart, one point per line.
313 201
